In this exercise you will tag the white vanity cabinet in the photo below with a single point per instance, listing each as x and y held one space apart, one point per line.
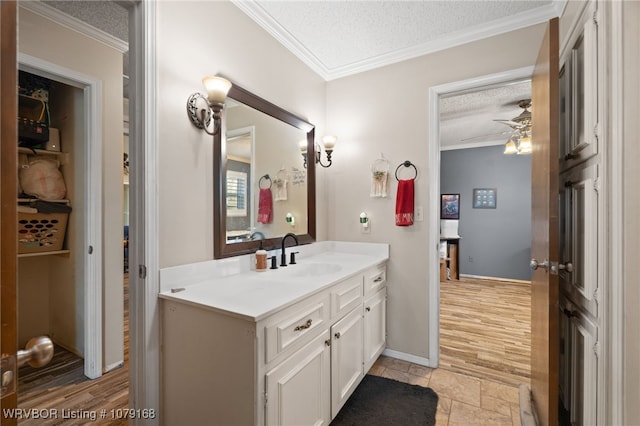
295 366
298 388
374 315
346 358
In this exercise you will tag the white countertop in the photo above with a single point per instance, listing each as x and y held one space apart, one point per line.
255 295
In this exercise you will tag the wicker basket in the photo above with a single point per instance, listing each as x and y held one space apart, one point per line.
41 232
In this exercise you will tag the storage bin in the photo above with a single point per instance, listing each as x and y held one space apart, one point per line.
41 232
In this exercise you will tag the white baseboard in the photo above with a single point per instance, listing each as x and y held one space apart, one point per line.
407 357
511 280
113 366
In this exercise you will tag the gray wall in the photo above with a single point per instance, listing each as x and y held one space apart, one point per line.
495 243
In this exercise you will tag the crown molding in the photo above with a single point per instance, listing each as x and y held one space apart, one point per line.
497 27
75 24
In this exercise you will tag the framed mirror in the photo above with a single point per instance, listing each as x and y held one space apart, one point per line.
263 187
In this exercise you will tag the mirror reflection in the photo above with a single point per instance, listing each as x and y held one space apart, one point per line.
262 187
265 178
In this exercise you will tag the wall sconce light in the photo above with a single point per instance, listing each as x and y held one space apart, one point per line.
364 221
201 110
290 219
329 142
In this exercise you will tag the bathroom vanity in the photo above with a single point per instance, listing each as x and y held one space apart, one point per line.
281 347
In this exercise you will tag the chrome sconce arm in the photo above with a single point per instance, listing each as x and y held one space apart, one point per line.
201 110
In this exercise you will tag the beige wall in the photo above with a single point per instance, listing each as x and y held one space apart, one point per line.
386 111
631 176
188 48
41 38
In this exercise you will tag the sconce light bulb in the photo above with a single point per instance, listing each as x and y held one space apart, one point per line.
303 146
329 142
217 89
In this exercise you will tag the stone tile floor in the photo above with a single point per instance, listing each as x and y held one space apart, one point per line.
463 399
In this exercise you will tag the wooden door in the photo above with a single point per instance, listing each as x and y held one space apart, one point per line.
545 241
8 210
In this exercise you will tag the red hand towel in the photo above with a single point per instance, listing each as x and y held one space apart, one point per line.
265 206
404 203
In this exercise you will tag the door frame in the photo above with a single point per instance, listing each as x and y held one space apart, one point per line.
144 261
91 256
433 232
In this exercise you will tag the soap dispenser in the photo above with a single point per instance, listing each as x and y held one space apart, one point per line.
261 259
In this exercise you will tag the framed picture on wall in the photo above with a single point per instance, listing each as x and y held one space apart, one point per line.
450 206
485 198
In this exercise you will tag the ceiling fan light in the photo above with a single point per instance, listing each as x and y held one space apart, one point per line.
525 146
510 147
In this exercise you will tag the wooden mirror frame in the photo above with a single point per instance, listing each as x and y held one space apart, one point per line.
221 248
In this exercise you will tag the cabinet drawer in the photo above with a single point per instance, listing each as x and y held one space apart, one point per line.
346 296
375 279
292 325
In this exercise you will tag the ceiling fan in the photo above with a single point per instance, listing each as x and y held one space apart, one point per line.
520 140
520 128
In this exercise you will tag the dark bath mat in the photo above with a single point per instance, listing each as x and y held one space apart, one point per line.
383 402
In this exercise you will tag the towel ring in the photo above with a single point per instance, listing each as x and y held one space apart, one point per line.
265 177
407 164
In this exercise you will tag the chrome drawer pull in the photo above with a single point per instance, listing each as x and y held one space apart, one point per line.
303 326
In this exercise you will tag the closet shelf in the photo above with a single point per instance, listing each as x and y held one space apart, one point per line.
27 200
63 157
44 253
23 150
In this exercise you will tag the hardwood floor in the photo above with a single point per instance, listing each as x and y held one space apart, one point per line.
485 329
62 386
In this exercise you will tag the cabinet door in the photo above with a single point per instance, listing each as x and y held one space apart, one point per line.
579 236
346 358
297 390
579 91
584 370
375 332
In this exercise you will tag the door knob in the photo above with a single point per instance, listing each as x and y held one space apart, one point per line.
37 352
566 266
534 264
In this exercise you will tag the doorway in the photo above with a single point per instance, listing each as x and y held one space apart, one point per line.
435 96
67 273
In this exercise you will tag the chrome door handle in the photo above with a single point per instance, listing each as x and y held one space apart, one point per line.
566 266
534 264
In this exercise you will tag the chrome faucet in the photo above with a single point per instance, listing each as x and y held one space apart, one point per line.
283 256
256 234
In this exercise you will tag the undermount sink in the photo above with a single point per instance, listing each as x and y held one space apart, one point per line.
313 269
303 270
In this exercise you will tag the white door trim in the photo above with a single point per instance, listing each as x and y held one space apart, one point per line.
144 327
91 279
433 235
611 405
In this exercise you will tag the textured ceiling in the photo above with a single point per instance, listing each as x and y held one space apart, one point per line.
467 120
338 38
342 37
